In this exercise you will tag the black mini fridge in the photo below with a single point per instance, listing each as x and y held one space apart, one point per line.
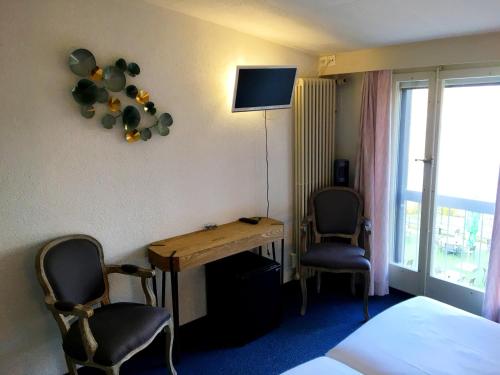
243 297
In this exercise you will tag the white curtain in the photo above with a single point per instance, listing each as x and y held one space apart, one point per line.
372 173
491 306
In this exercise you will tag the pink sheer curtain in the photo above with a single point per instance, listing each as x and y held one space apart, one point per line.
491 305
372 174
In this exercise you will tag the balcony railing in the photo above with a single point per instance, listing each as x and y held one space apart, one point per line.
461 237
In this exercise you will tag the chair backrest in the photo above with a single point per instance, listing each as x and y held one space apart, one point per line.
336 212
71 269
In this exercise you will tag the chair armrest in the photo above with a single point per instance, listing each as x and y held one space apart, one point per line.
83 313
367 225
304 227
143 273
305 223
130 269
68 308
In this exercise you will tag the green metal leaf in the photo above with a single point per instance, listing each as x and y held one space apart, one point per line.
145 134
108 121
87 111
131 118
85 92
113 78
81 62
121 64
165 119
102 95
133 69
131 91
162 129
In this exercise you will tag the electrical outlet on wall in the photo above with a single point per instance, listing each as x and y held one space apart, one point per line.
325 61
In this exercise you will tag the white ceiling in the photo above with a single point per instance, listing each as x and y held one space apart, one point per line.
325 26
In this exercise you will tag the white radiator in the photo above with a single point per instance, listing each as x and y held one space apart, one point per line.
314 140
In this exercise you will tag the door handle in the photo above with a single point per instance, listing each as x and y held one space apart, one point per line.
425 160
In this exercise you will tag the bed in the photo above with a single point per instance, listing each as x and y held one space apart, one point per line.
418 336
322 366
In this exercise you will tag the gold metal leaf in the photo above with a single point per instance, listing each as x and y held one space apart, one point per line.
142 97
132 136
114 104
96 74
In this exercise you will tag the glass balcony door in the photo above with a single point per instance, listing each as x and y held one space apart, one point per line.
413 123
446 127
466 175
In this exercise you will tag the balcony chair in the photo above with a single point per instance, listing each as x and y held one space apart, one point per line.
74 279
335 217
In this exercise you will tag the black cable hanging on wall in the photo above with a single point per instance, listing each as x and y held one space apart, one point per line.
267 173
267 165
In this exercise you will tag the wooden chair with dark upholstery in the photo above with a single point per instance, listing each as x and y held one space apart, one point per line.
335 222
74 279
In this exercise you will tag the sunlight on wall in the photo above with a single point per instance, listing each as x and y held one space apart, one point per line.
230 79
253 118
245 119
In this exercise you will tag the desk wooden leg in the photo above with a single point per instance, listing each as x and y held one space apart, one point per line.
274 251
175 312
282 261
163 289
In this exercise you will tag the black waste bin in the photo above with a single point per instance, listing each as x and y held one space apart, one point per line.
243 297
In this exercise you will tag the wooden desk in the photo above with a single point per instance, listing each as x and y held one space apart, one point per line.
198 248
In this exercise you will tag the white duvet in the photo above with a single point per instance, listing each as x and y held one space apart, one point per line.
422 336
322 366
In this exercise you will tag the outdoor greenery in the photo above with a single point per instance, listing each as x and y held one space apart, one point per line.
461 244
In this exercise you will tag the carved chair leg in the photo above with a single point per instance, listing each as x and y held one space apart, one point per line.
353 284
303 288
318 282
365 297
296 275
115 370
71 366
169 337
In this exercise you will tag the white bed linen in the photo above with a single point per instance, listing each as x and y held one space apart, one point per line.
422 336
322 366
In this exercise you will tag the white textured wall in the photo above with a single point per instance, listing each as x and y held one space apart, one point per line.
62 174
469 49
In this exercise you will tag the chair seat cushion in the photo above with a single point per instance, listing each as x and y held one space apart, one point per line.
118 329
336 256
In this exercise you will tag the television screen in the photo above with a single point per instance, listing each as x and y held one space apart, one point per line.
263 87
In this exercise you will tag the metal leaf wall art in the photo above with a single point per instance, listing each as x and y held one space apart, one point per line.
97 85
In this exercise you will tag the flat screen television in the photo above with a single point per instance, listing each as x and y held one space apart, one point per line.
263 87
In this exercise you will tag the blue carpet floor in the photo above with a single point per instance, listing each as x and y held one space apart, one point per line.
331 316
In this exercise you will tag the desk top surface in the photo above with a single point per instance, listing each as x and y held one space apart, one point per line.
204 246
